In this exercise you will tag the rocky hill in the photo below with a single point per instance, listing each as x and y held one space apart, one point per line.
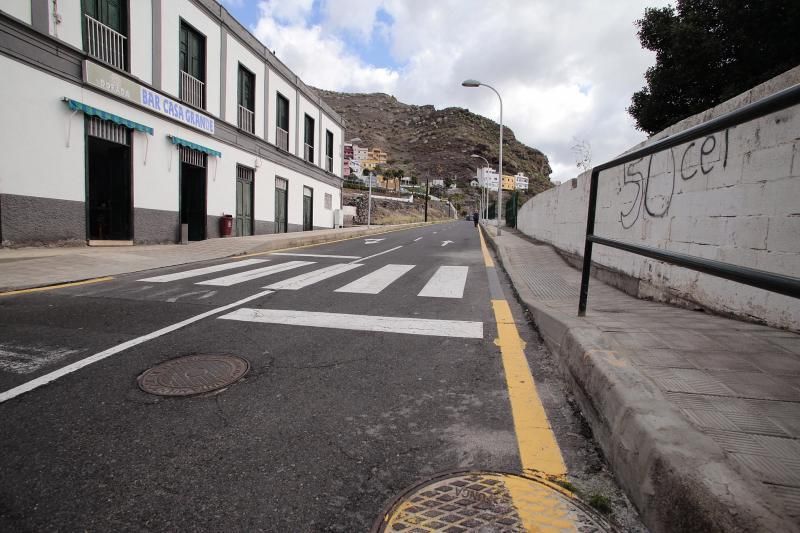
426 142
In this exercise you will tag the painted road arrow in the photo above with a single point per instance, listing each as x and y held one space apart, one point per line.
445 243
372 241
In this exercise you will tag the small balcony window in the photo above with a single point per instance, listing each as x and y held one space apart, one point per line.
282 123
308 154
247 82
105 28
192 59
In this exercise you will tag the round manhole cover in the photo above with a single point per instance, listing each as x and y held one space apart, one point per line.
193 374
488 502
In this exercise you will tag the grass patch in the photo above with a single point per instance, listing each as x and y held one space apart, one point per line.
563 483
600 502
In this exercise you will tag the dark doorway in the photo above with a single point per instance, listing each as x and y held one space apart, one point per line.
281 202
244 200
193 193
308 208
109 195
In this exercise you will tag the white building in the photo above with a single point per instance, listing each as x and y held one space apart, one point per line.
520 181
135 117
360 153
437 182
488 178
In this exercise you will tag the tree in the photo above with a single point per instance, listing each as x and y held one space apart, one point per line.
708 51
365 172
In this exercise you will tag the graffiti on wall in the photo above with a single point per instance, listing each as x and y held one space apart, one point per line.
648 184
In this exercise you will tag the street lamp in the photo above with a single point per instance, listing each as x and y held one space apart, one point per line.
476 83
484 190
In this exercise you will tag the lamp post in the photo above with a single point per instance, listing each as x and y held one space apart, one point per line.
484 189
476 83
369 202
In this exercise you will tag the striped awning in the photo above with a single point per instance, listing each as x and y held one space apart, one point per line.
193 146
105 115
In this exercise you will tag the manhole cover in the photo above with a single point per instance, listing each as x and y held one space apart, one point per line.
487 502
193 374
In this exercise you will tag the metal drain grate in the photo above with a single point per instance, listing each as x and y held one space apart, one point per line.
487 502
193 374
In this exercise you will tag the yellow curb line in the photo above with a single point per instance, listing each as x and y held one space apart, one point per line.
59 286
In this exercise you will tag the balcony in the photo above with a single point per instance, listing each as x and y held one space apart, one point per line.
192 90
308 153
329 163
105 44
282 138
247 120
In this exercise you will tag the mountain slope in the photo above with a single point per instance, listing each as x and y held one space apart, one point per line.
425 142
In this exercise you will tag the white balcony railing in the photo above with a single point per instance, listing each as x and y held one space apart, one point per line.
192 90
105 44
282 138
308 153
329 163
247 119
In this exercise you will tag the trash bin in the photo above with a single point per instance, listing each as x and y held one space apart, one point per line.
226 225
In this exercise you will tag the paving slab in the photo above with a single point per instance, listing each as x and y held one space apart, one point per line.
24 268
698 414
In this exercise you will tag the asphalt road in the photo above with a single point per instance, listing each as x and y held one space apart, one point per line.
332 420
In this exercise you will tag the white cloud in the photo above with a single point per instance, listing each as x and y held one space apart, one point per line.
564 69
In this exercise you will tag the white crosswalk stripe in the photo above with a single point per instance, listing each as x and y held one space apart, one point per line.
309 278
375 282
446 282
241 277
384 324
203 271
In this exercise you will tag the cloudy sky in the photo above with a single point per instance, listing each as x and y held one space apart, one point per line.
566 69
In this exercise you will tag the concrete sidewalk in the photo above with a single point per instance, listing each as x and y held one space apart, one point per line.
24 268
698 415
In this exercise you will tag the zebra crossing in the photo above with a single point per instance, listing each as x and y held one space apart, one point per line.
447 281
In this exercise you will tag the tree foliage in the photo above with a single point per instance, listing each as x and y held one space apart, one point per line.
710 50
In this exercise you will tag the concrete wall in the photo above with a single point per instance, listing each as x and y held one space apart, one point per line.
733 196
20 9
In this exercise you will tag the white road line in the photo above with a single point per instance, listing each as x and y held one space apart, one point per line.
375 282
309 278
446 282
202 271
52 376
418 238
386 324
376 255
318 255
241 277
184 295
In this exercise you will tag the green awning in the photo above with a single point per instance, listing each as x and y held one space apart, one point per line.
194 146
105 115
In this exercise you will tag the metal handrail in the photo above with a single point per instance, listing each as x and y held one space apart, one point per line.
308 152
105 43
246 119
329 163
192 90
787 285
282 138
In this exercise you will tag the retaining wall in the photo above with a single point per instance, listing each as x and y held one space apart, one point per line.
733 196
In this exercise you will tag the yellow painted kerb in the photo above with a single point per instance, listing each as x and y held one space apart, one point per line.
60 286
538 448
487 259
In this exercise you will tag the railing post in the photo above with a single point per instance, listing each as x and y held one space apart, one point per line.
587 249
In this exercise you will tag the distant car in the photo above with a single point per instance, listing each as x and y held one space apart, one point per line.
468 217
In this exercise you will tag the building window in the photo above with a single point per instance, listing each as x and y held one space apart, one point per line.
328 201
192 59
308 152
282 123
328 150
247 100
105 31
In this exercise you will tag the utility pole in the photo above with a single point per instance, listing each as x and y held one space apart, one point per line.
426 199
369 202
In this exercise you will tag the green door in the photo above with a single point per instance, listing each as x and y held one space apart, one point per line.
308 209
244 201
281 201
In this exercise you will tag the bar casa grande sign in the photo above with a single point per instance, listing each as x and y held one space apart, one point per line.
127 89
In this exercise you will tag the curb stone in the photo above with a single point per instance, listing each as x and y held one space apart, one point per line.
678 477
